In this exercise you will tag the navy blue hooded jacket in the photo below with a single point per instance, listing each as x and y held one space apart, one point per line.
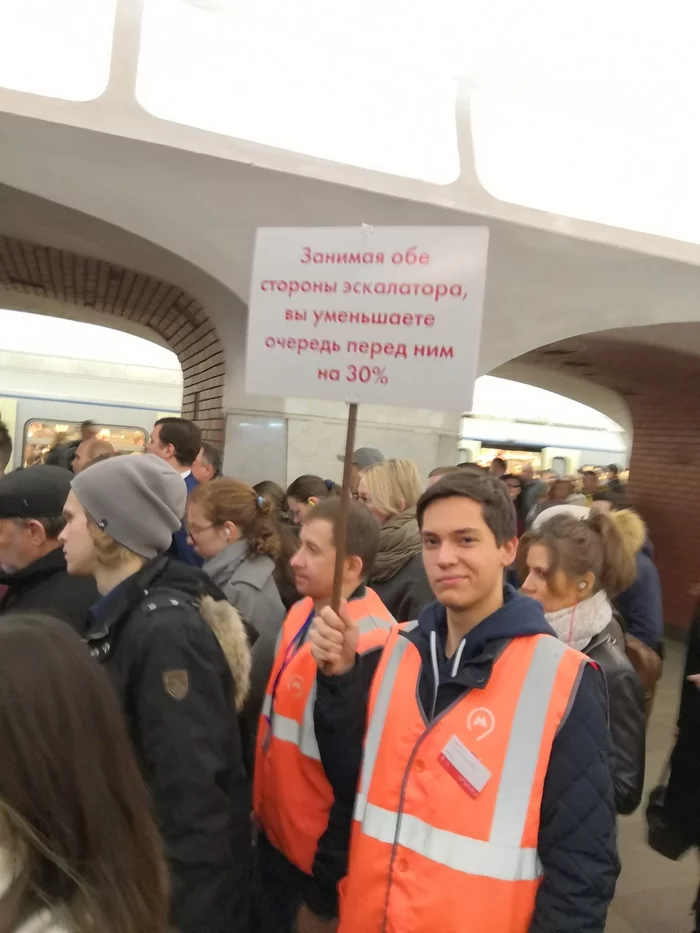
577 839
641 605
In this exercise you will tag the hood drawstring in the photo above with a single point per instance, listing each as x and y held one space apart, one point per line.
436 667
458 658
436 671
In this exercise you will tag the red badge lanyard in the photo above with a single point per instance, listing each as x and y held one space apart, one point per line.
294 646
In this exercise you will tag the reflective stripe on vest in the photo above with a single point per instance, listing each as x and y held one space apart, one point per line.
502 856
300 734
303 734
472 856
292 797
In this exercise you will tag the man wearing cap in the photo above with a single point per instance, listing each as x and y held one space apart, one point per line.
33 574
177 654
362 458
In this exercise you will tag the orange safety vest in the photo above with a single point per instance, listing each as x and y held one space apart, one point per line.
447 814
292 797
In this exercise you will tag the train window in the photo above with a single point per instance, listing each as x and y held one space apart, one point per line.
559 466
41 436
515 459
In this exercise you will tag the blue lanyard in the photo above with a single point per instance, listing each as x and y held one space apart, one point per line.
294 646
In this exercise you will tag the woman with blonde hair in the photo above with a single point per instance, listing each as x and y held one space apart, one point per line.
390 490
235 531
79 849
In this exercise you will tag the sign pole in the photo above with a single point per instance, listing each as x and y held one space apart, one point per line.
341 532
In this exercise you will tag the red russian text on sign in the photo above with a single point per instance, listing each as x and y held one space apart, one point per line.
393 312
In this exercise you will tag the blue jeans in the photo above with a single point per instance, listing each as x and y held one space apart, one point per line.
278 888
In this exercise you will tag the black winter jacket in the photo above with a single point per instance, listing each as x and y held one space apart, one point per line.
683 793
45 586
577 842
180 680
626 716
63 455
407 592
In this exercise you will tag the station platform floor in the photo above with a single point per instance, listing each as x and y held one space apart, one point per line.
654 895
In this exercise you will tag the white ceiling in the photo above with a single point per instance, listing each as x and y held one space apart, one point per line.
197 215
555 105
183 203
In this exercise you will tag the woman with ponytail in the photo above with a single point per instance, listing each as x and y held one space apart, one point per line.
235 531
574 565
305 492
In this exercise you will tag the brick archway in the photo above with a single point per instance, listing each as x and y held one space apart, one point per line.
176 316
660 387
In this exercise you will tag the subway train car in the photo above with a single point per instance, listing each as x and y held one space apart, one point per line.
526 424
547 446
43 400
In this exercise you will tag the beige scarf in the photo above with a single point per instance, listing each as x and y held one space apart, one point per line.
399 541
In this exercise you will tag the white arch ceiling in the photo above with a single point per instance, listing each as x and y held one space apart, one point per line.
542 113
548 106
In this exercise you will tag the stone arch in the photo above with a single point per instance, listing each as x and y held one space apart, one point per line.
660 386
177 317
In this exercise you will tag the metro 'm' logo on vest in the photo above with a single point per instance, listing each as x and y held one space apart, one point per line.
481 722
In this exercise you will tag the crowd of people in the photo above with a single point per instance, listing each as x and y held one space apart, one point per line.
197 738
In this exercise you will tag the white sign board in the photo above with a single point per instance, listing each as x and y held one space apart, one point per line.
384 315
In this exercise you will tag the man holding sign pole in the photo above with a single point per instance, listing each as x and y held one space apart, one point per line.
480 754
302 846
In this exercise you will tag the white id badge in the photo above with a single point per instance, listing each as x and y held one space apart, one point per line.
463 765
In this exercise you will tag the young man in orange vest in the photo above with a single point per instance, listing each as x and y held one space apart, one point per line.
302 847
484 797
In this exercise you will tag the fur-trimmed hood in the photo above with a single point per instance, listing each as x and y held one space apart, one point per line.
227 624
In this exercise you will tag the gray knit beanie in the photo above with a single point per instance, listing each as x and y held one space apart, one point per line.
139 501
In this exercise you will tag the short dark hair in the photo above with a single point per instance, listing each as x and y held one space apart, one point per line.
614 469
489 491
184 435
500 461
363 529
212 454
442 470
604 496
617 500
5 446
470 467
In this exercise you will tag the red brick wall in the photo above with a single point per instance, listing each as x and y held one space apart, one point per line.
173 314
661 389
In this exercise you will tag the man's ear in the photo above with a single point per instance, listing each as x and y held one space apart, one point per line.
353 568
510 549
36 531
